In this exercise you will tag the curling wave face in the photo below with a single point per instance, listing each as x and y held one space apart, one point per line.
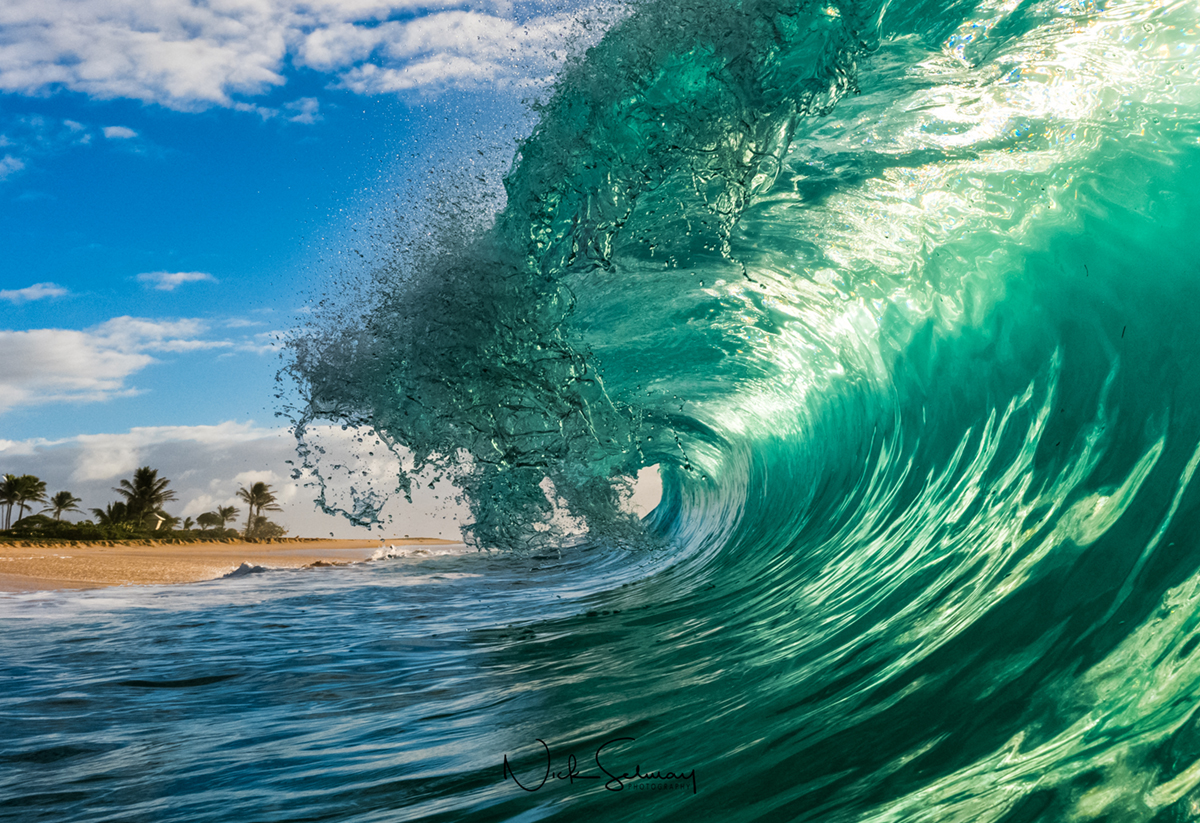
901 300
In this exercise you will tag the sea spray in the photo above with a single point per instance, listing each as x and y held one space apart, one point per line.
469 362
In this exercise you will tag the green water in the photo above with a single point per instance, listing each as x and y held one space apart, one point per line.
901 302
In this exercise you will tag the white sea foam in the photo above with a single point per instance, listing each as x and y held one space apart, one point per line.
390 552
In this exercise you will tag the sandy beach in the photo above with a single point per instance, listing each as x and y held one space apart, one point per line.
40 568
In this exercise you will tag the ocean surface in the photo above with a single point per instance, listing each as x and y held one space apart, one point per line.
903 302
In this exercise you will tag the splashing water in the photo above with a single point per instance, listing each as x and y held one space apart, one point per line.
901 301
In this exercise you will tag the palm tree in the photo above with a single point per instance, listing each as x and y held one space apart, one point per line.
188 523
8 497
226 513
145 495
112 514
61 503
29 490
260 499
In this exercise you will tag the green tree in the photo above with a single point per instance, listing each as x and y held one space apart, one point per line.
8 497
112 515
260 499
264 528
61 503
32 522
29 490
210 520
226 513
188 523
145 494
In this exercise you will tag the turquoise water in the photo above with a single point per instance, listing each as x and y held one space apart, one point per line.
901 302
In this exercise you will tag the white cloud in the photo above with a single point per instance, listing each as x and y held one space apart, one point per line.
267 342
49 365
10 165
169 281
119 132
38 134
305 110
458 48
28 137
251 477
38 291
62 365
158 335
189 56
171 51
108 456
262 111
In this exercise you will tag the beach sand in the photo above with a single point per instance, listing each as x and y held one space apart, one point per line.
40 568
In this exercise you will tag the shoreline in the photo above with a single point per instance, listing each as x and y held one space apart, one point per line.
32 567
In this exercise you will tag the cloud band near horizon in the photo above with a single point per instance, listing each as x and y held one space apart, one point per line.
206 465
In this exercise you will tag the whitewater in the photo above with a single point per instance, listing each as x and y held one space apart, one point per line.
900 302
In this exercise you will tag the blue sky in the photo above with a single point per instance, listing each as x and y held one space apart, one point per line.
178 181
